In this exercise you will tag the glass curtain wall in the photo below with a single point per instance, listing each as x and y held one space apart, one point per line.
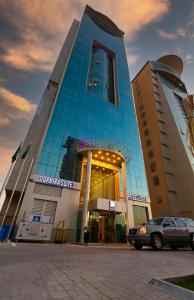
80 113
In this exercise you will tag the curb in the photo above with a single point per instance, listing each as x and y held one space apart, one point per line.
175 290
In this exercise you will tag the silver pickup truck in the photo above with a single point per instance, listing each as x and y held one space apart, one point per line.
174 232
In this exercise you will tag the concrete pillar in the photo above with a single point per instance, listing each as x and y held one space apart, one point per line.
125 196
86 195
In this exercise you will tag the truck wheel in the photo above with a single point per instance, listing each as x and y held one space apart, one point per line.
192 242
173 247
138 246
156 242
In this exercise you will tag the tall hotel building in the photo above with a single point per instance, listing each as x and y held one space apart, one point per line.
165 118
88 171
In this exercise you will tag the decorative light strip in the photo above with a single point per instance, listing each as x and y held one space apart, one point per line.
57 182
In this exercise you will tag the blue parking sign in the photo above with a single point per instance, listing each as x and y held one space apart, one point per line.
36 219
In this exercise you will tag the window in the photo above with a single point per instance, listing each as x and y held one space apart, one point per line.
169 222
150 154
158 94
141 107
154 84
144 123
142 114
158 199
156 221
172 191
148 143
180 103
154 76
153 167
102 74
190 222
158 102
167 158
179 222
138 93
146 132
156 180
169 173
140 214
165 145
163 132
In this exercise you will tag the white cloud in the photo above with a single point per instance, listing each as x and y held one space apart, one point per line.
44 24
132 59
166 35
189 58
181 31
16 101
4 120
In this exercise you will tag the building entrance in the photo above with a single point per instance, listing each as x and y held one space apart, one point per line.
102 172
106 227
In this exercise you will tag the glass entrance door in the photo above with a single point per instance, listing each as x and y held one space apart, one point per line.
102 227
106 228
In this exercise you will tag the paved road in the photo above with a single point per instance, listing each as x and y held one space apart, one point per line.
49 272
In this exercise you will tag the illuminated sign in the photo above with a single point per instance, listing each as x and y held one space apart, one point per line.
136 197
112 205
57 182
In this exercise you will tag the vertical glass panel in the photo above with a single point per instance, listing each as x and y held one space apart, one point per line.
140 214
101 73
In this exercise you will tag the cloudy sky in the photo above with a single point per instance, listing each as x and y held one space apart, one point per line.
32 33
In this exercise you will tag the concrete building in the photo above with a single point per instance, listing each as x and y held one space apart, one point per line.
165 119
87 163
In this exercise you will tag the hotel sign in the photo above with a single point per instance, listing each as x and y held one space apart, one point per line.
136 197
112 205
57 182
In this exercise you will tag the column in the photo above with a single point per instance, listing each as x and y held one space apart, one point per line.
86 195
125 196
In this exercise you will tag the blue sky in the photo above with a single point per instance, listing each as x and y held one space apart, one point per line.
32 34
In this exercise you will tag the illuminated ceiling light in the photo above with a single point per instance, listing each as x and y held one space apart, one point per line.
103 169
113 155
114 161
102 157
108 159
118 158
99 152
95 155
107 153
97 167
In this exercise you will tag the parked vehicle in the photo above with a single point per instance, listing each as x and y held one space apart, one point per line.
174 232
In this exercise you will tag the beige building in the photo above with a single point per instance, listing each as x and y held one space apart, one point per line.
165 117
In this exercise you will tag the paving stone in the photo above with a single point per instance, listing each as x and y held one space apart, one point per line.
64 272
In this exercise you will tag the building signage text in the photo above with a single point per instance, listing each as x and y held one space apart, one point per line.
57 182
136 197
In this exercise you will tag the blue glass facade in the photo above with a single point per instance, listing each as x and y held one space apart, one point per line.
80 114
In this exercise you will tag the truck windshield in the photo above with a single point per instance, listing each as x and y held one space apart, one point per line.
157 221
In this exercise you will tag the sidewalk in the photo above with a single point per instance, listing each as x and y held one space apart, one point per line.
63 272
